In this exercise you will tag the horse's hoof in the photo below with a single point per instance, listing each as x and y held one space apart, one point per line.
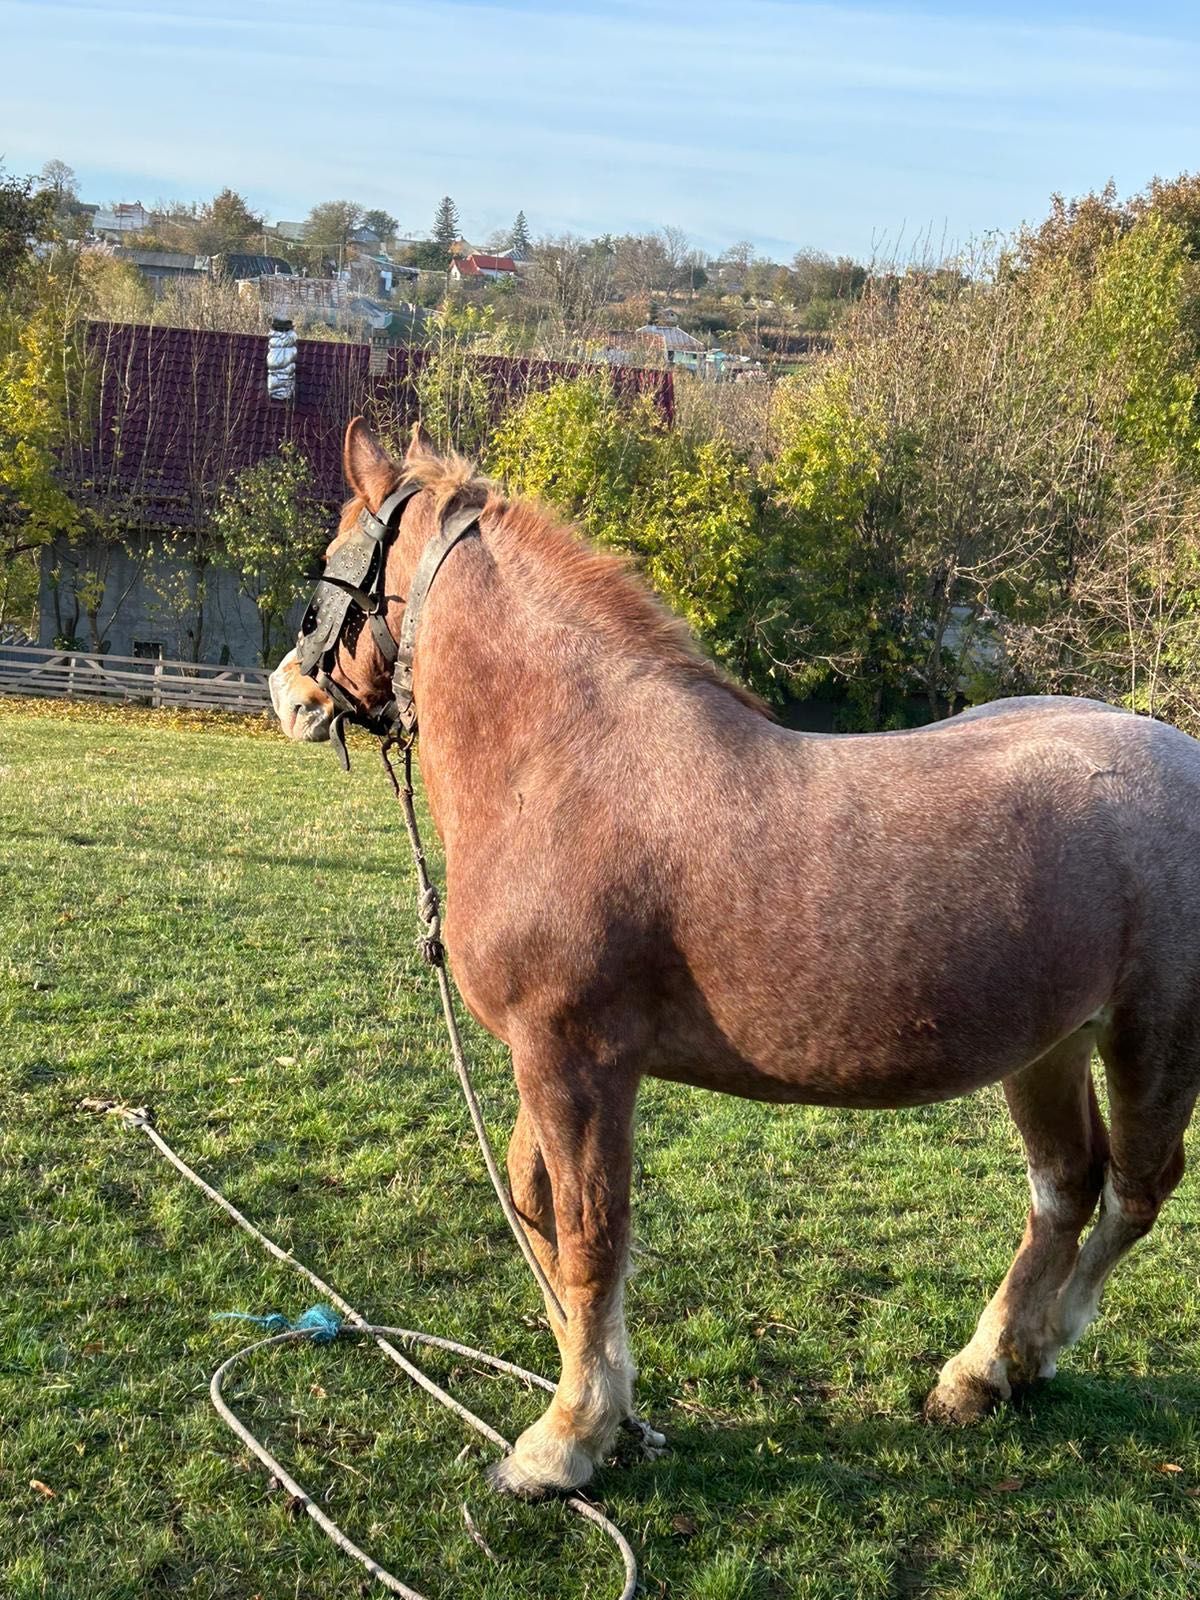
509 1477
962 1400
540 1465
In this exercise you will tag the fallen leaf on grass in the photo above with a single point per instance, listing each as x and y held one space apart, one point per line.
1008 1486
43 1488
285 1061
1169 1466
683 1525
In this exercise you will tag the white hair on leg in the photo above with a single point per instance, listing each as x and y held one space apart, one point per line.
1079 1301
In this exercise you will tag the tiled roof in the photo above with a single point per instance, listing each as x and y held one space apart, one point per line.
178 411
672 338
482 263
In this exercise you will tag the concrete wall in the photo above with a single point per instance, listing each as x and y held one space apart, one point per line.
150 598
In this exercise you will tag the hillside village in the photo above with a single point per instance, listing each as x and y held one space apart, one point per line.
871 495
651 299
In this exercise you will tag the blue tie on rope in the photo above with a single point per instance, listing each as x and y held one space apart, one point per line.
321 1323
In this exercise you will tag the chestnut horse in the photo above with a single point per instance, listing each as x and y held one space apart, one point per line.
646 875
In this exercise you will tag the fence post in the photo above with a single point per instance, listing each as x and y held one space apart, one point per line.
156 693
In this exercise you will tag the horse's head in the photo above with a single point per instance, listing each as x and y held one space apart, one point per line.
359 670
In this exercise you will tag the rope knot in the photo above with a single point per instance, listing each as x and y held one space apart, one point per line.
428 906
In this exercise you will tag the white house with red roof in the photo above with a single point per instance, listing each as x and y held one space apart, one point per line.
476 266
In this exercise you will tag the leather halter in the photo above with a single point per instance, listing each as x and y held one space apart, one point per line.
354 576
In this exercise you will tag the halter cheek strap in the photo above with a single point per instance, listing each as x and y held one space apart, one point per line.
456 526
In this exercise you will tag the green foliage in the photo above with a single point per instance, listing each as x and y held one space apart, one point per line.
847 568
26 217
226 223
271 531
688 509
380 222
574 446
986 466
1134 346
454 401
707 541
38 379
327 231
19 586
426 254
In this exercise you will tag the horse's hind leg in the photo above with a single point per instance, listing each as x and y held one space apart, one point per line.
583 1119
1054 1106
1150 1106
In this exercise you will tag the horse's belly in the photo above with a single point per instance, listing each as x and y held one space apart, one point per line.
883 1023
843 1073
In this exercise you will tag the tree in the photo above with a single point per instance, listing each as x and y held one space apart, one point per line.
381 223
58 179
445 225
272 530
684 263
226 223
739 256
424 254
572 280
521 241
992 482
328 230
26 218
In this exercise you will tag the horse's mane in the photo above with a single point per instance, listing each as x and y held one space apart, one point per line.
598 588
601 589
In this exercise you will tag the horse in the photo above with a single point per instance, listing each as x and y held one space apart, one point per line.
647 875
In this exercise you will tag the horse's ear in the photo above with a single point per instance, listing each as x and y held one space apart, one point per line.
370 471
419 444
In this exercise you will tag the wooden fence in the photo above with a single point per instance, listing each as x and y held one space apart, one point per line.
77 675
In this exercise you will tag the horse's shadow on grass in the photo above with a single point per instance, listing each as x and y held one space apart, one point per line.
795 1449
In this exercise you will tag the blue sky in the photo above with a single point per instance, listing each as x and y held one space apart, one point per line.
856 127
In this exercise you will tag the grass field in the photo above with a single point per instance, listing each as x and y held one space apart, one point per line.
221 926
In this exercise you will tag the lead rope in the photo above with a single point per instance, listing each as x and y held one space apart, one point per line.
321 1329
430 912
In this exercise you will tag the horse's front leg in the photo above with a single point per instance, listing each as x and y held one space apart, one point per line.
583 1117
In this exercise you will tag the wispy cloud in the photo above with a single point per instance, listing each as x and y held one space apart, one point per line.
807 123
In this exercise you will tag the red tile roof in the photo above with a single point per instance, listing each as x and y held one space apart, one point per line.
179 411
481 263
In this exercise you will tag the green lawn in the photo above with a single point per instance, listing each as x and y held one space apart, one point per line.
221 926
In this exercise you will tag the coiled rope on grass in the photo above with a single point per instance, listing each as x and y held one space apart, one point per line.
320 1325
319 1329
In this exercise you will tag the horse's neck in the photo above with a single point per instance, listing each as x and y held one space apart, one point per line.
512 701
489 694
